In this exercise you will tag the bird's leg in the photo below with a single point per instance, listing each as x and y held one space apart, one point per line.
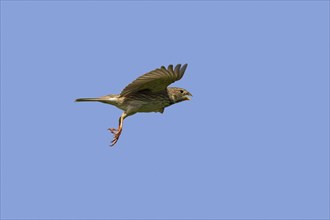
114 130
117 132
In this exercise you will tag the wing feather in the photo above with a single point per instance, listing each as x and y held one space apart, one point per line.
156 80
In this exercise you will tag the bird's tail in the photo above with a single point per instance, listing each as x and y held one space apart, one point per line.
89 100
107 99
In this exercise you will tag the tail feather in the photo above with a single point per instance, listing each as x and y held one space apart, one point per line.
88 100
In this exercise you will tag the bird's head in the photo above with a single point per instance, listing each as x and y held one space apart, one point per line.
178 94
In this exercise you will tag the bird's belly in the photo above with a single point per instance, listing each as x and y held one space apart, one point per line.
146 102
155 106
151 107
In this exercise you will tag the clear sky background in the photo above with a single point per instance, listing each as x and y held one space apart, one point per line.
253 142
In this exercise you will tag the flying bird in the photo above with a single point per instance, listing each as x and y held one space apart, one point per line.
148 93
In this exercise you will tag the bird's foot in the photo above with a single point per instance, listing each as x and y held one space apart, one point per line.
116 134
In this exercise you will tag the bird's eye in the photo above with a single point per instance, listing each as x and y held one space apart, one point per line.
181 91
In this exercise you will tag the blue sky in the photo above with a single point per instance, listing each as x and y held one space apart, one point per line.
253 142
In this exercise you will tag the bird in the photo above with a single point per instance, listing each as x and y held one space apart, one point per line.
147 93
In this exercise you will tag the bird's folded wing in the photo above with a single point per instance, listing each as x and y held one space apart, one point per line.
156 80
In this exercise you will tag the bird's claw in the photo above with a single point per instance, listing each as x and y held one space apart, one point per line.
116 134
113 130
113 142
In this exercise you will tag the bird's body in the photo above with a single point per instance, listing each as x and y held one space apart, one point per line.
148 93
147 101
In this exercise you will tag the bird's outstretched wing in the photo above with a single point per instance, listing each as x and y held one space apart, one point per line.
156 80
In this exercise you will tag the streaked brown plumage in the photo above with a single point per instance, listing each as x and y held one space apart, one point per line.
148 93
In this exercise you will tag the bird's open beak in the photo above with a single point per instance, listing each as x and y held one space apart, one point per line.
187 96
